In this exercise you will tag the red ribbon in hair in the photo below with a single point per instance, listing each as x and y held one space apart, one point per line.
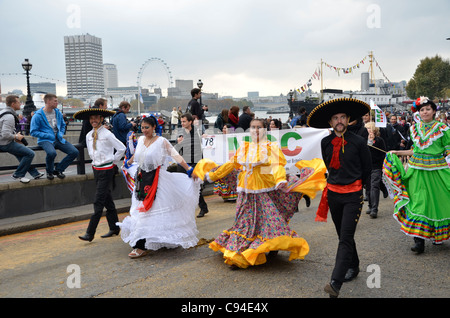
338 143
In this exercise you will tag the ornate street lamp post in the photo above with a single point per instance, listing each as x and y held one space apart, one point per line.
200 85
291 112
29 104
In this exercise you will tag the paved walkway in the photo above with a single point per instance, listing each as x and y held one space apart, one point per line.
36 264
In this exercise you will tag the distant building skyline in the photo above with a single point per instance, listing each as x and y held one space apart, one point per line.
182 89
84 66
44 87
111 77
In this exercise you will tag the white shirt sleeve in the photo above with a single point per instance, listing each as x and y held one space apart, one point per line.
119 146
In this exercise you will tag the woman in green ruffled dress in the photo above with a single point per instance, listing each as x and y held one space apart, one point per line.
422 192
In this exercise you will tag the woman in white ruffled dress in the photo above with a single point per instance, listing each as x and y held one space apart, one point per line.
166 215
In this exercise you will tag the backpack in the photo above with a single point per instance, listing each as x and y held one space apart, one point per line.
16 119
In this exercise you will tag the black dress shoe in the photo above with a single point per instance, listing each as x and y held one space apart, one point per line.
332 288
86 237
351 273
202 213
59 174
111 233
419 246
384 190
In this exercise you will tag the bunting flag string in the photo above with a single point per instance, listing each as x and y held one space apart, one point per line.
379 67
316 75
345 70
31 74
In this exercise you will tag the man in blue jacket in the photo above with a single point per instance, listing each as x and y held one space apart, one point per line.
121 126
49 127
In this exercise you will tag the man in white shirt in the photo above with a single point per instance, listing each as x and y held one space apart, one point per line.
101 144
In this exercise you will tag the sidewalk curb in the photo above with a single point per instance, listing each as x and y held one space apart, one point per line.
40 220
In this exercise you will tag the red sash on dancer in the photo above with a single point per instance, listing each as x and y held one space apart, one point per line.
322 210
151 191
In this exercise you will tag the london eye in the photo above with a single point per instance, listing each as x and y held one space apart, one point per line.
167 71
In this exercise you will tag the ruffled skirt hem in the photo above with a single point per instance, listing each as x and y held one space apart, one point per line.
297 246
170 222
421 227
421 212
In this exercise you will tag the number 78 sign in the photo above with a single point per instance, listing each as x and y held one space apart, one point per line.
296 144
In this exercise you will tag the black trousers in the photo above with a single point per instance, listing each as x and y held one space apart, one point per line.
103 199
374 187
345 211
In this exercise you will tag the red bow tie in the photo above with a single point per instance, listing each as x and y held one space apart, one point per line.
338 143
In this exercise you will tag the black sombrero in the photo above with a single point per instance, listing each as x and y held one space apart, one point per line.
85 113
321 115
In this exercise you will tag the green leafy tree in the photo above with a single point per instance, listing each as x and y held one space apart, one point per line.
431 79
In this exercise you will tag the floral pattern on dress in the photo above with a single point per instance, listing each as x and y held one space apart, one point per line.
260 217
226 187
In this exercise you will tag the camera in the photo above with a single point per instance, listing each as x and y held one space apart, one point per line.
24 142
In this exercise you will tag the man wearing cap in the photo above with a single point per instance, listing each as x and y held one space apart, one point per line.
347 158
101 144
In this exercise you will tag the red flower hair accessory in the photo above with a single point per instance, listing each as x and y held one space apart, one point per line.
421 100
418 102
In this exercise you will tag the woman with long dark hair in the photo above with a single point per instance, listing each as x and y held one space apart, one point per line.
233 116
222 120
422 193
267 199
162 212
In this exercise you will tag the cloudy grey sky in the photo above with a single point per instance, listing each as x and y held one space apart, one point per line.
234 46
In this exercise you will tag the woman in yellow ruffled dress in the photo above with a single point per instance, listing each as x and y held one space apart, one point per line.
267 199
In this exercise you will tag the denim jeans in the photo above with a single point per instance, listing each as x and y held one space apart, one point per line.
24 155
50 149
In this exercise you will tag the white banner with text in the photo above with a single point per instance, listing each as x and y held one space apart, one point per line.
296 144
